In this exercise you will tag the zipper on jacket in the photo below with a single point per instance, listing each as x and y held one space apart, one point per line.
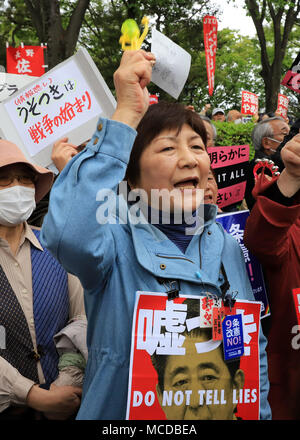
174 258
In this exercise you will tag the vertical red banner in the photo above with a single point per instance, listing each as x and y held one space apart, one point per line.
25 60
283 105
210 30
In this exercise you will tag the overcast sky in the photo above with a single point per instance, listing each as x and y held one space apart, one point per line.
234 17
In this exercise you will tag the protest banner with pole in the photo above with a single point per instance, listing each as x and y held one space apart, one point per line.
65 102
210 29
25 60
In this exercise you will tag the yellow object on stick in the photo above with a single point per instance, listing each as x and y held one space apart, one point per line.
130 38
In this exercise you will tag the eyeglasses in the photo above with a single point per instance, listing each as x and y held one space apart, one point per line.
6 180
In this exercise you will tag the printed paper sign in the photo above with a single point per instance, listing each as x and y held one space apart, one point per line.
292 77
210 31
230 166
234 224
25 60
249 103
172 64
10 83
65 102
283 104
177 371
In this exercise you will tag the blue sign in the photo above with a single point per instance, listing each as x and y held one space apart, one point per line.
234 223
233 340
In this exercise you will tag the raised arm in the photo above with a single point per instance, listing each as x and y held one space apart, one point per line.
71 231
276 209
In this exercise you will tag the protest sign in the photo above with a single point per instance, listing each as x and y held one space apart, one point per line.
292 77
282 105
296 296
230 165
210 29
25 60
172 65
153 99
65 102
11 83
178 370
234 223
249 103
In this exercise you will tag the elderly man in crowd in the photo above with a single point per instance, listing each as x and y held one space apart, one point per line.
267 135
38 301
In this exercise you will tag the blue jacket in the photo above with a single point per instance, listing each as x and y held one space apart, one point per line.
113 261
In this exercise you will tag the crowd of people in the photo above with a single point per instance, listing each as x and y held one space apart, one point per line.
68 284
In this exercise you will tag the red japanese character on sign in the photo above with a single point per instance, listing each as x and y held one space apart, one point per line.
249 103
25 60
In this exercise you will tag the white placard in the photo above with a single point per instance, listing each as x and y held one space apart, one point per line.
65 102
10 83
172 64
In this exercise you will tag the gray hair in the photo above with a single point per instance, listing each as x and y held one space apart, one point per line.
206 118
261 130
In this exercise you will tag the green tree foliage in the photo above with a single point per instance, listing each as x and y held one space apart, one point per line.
282 15
229 133
55 22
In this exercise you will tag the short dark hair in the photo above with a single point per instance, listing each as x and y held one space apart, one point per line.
159 362
160 117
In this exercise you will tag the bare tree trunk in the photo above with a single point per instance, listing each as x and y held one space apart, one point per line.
281 18
46 18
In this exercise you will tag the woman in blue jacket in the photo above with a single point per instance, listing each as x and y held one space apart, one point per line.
117 254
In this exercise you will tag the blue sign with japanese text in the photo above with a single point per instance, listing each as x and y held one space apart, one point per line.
234 223
233 341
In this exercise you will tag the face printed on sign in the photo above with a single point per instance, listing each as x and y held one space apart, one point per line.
199 386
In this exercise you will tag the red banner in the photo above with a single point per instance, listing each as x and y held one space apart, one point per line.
25 60
210 29
282 106
177 367
153 99
292 77
249 103
296 296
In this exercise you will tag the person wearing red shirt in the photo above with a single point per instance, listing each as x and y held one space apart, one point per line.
272 234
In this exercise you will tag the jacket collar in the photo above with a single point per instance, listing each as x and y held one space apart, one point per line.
154 250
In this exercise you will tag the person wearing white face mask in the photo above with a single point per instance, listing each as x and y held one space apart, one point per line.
38 300
267 136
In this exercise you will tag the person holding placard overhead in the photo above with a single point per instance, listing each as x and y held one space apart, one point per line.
100 234
38 299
